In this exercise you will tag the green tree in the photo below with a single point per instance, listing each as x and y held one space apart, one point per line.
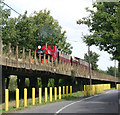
4 13
94 59
104 25
27 31
111 71
49 31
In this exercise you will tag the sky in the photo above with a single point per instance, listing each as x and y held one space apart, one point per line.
66 12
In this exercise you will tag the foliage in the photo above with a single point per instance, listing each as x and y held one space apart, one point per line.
51 82
111 71
102 71
104 24
94 59
4 13
29 31
13 83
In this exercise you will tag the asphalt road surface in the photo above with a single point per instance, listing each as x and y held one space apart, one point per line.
108 102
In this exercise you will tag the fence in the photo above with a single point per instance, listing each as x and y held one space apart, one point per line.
40 95
90 90
118 86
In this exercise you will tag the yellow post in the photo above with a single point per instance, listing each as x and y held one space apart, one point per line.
6 99
17 98
55 89
50 94
63 91
40 95
45 95
70 90
25 97
66 90
84 90
59 92
33 96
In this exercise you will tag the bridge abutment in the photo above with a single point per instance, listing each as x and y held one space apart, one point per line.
21 85
33 84
3 88
7 82
18 82
56 81
44 83
79 84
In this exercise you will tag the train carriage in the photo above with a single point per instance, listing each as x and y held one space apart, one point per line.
52 51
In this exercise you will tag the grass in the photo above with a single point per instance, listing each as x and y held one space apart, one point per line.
12 106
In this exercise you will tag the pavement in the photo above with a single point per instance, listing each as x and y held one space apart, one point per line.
107 103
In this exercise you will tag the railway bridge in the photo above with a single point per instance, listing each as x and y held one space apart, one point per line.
18 63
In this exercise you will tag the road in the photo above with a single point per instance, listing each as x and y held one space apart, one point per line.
108 102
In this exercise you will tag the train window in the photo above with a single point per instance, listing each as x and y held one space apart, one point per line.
46 57
40 51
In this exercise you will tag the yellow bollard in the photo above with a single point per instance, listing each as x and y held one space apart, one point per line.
55 92
63 91
33 96
84 90
66 90
40 95
17 98
6 99
45 95
116 86
50 94
59 92
25 97
70 90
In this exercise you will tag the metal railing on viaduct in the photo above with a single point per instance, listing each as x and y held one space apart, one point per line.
15 63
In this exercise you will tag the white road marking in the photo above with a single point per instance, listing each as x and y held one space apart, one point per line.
78 101
72 104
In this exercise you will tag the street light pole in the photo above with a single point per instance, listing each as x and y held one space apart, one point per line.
89 64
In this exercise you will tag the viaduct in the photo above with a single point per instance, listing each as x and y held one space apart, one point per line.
13 63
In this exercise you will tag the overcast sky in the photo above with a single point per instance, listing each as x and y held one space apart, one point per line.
67 12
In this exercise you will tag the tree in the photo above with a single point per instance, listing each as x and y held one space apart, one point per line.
104 24
4 14
111 71
49 31
94 59
28 31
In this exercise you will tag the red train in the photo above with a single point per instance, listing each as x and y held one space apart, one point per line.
58 55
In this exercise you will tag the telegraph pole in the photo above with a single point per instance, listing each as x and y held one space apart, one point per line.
115 72
89 64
